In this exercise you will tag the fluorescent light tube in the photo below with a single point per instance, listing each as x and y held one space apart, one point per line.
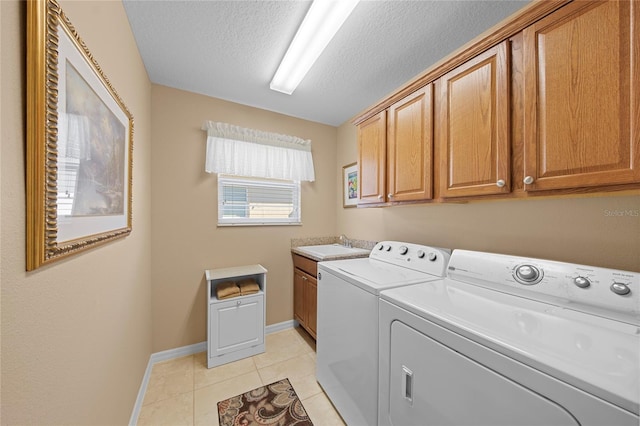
322 22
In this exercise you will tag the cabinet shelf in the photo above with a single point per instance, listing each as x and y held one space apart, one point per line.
234 272
214 299
235 325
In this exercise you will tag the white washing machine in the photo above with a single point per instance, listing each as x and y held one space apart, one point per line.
506 340
347 330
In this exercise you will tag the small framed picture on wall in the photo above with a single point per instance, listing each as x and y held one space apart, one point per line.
350 185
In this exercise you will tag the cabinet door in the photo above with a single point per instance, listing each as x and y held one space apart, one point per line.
311 303
236 324
410 147
582 96
472 126
372 159
298 296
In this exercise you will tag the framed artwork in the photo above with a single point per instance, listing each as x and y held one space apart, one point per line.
350 185
79 143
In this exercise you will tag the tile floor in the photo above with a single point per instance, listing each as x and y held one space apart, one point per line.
183 391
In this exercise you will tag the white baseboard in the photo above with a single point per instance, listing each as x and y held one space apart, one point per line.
133 420
285 325
178 352
184 351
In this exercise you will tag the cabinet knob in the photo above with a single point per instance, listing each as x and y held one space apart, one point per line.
528 180
238 303
500 183
390 195
379 197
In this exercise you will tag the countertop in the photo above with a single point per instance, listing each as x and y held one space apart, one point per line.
299 242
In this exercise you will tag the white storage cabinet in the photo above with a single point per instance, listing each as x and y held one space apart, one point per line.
235 326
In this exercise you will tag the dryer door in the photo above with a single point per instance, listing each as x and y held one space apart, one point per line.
431 384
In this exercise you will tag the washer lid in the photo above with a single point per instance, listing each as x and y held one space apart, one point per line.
373 275
595 354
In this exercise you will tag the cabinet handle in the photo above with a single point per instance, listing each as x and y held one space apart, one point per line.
304 278
379 197
390 195
500 183
528 180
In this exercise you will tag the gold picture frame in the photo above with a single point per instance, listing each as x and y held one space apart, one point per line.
79 144
350 185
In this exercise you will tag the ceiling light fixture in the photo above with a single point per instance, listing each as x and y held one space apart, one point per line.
322 22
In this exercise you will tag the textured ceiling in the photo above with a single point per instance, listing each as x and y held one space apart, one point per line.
231 49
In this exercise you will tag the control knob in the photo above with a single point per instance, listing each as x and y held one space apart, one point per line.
404 250
421 253
620 288
389 247
432 256
581 282
380 247
528 274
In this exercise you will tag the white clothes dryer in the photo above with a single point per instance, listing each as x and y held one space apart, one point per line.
347 329
506 340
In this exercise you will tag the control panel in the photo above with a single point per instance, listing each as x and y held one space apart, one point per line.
418 257
565 284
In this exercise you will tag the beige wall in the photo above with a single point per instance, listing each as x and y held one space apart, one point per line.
185 238
76 335
580 230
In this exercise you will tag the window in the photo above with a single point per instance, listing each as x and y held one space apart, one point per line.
273 165
253 201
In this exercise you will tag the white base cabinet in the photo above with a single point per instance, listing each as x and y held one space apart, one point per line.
236 325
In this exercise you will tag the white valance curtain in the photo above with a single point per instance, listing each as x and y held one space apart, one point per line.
240 151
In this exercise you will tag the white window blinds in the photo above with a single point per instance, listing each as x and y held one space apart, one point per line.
239 151
243 201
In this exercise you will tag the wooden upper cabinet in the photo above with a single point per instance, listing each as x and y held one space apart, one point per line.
582 85
472 126
372 159
410 147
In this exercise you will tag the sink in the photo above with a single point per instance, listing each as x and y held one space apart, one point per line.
326 250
